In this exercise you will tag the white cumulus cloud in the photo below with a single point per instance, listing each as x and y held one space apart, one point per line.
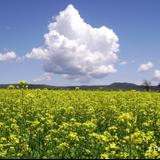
145 67
37 53
75 49
7 56
43 77
157 75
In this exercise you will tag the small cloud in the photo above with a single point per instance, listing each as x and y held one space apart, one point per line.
20 59
156 75
145 67
7 56
123 62
37 53
44 77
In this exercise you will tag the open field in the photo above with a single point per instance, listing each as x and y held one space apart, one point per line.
79 124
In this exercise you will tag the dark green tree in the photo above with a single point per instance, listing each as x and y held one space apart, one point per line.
147 85
159 86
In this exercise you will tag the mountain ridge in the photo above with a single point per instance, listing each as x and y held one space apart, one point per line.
112 86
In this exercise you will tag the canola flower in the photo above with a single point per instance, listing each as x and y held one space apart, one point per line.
79 124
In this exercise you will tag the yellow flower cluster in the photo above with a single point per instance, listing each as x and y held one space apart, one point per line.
79 124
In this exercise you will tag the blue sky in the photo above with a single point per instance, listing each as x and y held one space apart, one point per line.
136 23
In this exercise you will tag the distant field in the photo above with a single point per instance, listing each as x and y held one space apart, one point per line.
79 124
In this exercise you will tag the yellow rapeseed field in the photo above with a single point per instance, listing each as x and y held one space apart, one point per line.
79 124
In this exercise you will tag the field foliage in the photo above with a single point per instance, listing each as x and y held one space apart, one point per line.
79 124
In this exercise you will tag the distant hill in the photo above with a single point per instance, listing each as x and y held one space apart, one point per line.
113 86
